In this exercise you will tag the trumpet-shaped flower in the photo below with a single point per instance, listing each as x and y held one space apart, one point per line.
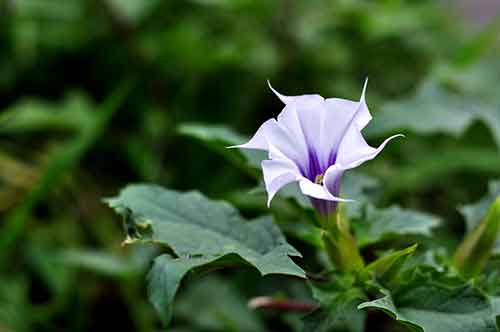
313 142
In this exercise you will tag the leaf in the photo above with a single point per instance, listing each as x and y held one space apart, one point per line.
477 247
381 224
229 313
474 213
433 307
386 267
31 115
101 262
14 307
338 307
199 231
219 138
433 109
133 11
439 163
164 279
66 159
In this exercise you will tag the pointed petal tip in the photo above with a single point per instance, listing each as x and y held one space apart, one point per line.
363 93
283 98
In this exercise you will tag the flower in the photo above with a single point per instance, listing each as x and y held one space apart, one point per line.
313 142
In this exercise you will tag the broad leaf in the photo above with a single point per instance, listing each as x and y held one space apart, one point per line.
382 224
338 307
198 231
436 308
434 109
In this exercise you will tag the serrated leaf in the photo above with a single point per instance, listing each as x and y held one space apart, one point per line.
338 307
381 224
199 231
433 307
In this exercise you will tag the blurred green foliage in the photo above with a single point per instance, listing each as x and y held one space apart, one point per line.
98 93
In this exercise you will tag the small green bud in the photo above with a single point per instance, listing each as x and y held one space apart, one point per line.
476 248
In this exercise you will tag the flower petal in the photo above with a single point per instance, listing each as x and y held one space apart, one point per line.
339 116
277 174
363 116
315 190
283 98
353 150
286 141
278 171
332 178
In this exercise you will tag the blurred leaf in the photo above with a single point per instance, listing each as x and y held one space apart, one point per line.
199 231
229 313
433 109
131 10
67 158
32 115
382 224
219 138
41 24
14 310
435 163
434 308
101 262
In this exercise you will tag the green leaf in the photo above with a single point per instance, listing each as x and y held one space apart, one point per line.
219 138
386 267
338 307
477 247
381 224
67 158
229 313
31 115
14 308
434 109
133 11
432 307
438 163
101 262
474 213
165 278
198 231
